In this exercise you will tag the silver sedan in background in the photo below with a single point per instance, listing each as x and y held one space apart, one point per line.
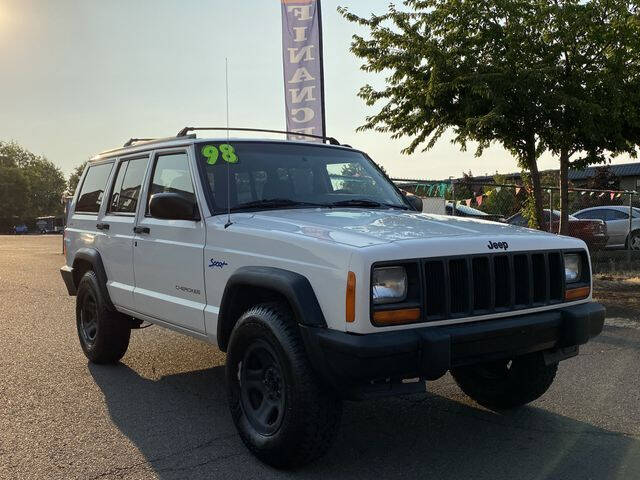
617 219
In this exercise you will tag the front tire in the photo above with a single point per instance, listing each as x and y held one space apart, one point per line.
506 384
104 334
283 413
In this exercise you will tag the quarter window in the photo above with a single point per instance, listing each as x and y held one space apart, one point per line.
126 189
93 186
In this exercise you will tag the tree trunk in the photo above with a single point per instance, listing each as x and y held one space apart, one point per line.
564 192
532 166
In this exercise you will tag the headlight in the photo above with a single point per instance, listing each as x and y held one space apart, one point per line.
389 285
572 267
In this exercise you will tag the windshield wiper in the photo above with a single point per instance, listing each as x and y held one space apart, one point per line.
276 203
363 202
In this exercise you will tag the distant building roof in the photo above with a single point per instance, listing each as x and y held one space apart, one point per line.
624 170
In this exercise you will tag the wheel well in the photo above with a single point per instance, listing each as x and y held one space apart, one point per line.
80 267
242 298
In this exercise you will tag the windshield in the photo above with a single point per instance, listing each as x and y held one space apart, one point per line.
265 175
556 215
466 210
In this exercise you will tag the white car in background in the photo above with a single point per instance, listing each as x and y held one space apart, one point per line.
617 219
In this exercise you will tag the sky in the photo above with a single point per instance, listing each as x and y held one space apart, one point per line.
78 77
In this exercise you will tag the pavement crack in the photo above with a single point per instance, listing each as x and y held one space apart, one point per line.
201 464
119 471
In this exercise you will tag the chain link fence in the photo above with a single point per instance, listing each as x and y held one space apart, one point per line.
607 220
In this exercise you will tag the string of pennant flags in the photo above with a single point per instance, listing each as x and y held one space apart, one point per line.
440 189
434 189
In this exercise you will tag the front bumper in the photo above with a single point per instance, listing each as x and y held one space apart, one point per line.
347 360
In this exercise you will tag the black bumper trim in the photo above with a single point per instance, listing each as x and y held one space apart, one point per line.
345 359
67 276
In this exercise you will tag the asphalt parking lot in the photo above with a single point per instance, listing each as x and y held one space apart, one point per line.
162 414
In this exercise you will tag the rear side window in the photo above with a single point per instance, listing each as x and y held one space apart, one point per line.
93 187
617 215
126 189
593 215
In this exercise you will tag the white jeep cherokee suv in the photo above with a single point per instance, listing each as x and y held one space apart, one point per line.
319 279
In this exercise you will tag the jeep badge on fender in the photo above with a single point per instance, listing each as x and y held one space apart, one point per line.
319 283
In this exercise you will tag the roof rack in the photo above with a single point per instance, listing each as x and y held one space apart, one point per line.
131 141
186 130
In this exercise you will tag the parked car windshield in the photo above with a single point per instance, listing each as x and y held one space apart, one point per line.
464 209
556 215
270 175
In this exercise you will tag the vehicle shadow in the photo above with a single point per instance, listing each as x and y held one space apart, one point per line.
181 424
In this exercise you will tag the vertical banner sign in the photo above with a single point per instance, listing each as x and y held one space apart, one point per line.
303 70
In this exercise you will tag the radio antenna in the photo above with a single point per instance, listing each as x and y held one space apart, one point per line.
226 82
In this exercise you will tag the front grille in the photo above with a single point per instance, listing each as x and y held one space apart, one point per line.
481 284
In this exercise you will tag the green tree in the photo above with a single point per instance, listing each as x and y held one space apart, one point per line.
74 178
466 65
35 184
13 191
593 100
502 200
533 76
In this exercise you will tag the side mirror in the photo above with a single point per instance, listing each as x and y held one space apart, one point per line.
173 206
416 202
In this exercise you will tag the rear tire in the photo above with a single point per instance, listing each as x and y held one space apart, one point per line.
283 413
506 384
104 334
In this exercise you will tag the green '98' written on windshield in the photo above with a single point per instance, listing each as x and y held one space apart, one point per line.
223 151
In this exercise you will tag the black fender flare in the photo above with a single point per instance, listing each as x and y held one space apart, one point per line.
92 256
295 288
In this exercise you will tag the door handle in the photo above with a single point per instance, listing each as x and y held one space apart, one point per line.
102 226
141 230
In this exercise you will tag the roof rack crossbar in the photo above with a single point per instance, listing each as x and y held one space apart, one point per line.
186 130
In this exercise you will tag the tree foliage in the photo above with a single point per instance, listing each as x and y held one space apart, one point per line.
30 185
531 76
593 99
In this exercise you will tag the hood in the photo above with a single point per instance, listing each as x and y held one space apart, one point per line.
360 227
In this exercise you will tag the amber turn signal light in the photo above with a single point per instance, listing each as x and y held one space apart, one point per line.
396 317
576 293
351 298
